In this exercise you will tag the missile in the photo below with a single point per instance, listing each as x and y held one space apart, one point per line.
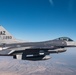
57 50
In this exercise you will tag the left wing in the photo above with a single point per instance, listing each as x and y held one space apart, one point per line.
28 53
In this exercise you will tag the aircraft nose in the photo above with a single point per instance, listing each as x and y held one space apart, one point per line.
71 43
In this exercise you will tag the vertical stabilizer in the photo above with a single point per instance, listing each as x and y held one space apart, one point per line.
5 36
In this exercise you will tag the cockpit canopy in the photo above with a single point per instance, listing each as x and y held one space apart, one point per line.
64 39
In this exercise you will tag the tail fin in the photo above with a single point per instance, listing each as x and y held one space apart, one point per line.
5 36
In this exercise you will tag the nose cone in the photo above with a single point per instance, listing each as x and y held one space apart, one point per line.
71 43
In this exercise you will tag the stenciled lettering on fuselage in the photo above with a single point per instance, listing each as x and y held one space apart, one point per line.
4 35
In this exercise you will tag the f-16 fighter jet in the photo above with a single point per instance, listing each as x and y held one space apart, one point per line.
9 46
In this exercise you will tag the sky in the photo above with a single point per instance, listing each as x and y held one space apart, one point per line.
39 20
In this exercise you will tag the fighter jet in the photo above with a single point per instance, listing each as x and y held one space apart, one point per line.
9 46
